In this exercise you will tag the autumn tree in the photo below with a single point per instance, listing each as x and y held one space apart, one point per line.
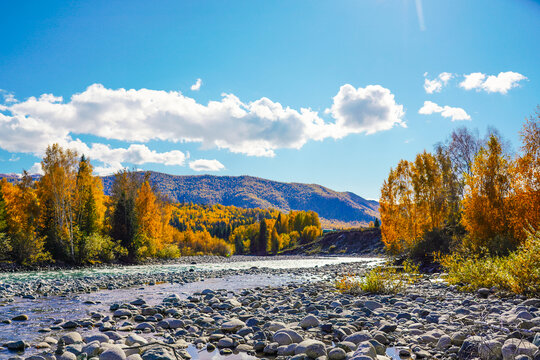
57 189
148 216
526 181
5 241
486 206
22 210
89 213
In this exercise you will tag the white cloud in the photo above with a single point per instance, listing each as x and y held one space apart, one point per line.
254 128
500 83
197 85
454 113
36 169
370 109
438 83
206 165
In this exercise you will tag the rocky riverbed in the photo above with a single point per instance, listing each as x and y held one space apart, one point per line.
301 319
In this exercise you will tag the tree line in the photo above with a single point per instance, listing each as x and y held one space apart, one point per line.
65 216
469 193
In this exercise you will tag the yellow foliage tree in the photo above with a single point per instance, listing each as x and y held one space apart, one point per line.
486 204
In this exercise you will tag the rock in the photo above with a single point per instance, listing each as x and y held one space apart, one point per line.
365 349
295 337
158 353
513 347
97 337
232 325
271 349
483 292
469 348
372 305
444 342
315 349
337 354
358 337
72 338
16 345
490 350
122 312
225 342
282 338
134 339
113 353
387 327
309 321
22 317
66 356
347 346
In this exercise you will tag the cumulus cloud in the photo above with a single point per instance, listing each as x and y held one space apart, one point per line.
455 113
369 110
500 83
254 128
438 83
36 169
206 165
197 85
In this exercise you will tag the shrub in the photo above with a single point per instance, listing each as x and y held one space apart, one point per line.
380 280
518 272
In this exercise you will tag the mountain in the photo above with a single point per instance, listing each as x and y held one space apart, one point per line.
253 192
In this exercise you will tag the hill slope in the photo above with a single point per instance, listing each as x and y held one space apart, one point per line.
252 192
347 242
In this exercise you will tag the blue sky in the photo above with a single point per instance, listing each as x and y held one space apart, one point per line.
378 81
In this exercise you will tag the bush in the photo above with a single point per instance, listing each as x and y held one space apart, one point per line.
518 272
380 280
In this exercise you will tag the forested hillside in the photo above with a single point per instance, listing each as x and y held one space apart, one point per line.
252 192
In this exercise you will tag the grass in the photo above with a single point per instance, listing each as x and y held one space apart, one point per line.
379 280
518 272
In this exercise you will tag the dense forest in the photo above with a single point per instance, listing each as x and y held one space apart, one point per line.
65 216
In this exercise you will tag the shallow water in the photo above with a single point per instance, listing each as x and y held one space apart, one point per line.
281 263
44 310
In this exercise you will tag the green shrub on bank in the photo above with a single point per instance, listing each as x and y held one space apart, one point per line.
518 272
380 280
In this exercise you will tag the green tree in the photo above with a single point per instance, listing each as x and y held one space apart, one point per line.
263 238
124 217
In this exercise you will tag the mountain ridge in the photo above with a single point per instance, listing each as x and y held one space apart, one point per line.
254 192
249 192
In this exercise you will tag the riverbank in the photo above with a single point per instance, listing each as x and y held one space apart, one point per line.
299 319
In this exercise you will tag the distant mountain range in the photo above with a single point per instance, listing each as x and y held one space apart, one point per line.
253 192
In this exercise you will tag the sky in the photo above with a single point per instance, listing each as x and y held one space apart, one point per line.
327 92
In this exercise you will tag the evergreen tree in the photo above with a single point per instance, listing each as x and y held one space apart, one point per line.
263 238
274 241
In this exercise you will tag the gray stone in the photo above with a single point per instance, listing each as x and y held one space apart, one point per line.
72 338
225 342
372 305
158 353
337 354
365 349
282 338
309 321
315 349
490 350
232 325
16 345
358 337
513 347
113 353
444 342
